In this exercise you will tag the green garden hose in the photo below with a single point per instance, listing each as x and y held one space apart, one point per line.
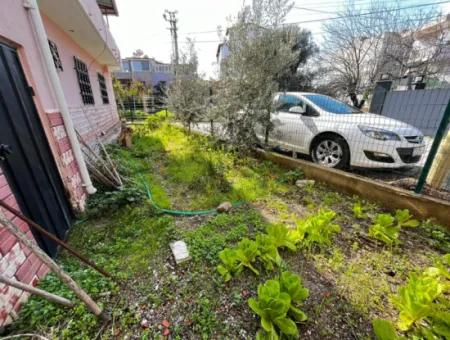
181 212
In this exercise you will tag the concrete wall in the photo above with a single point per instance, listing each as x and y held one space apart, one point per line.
423 109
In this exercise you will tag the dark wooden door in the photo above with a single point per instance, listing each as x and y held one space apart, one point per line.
25 155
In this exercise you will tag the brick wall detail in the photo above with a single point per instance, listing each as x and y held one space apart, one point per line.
92 122
71 177
16 261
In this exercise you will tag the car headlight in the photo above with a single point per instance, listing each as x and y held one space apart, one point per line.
377 133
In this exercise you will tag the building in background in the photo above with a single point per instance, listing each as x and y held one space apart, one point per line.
421 56
56 59
149 71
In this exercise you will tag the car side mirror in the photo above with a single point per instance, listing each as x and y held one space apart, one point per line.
297 109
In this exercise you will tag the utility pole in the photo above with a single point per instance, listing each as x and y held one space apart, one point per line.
170 17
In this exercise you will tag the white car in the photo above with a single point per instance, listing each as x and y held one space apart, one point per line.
338 135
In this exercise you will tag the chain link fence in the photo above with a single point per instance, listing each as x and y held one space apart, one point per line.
402 140
136 109
401 137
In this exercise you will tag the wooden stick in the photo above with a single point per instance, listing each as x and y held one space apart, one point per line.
99 174
23 238
36 291
52 237
111 163
93 155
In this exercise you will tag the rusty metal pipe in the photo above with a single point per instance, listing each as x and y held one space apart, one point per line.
40 229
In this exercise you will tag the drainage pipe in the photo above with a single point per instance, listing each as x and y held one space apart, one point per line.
42 40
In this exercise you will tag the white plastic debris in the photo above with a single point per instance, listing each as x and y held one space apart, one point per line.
180 251
301 183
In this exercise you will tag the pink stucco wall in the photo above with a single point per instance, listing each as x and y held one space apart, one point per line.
91 121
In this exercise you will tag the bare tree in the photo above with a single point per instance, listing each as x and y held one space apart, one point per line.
188 94
261 51
366 42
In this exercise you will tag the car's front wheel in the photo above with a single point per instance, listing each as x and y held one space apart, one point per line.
331 151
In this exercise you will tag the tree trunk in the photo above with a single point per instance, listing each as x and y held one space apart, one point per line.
440 170
211 122
267 132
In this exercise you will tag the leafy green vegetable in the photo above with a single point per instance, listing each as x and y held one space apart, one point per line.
318 229
268 253
384 230
358 211
415 299
384 330
291 283
230 264
247 251
280 236
277 303
272 307
405 219
440 324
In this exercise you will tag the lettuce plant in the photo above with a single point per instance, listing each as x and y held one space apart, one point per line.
384 230
423 306
385 330
359 211
234 260
247 251
230 264
280 236
405 219
272 307
291 284
317 230
415 300
268 253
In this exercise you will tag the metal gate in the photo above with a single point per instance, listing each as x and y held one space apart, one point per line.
25 155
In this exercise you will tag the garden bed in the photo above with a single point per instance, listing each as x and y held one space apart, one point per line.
350 281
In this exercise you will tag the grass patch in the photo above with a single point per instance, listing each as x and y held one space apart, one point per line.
350 281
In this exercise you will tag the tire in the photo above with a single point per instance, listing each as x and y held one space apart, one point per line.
332 151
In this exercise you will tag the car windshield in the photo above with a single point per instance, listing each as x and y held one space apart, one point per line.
330 104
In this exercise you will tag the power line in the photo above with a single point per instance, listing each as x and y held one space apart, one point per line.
340 3
341 17
312 10
368 13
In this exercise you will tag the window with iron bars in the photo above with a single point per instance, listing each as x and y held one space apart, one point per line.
103 89
84 82
55 55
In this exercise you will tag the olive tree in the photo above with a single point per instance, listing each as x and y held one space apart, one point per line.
261 51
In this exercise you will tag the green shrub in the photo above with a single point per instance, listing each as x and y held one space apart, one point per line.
105 201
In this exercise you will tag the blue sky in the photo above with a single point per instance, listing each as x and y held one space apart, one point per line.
140 24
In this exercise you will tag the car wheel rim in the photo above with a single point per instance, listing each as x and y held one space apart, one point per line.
328 153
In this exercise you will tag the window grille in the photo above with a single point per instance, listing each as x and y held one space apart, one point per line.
84 82
55 55
103 89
